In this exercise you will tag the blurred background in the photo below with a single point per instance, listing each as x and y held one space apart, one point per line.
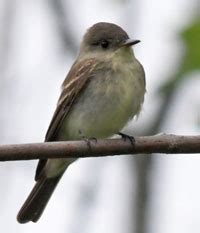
39 40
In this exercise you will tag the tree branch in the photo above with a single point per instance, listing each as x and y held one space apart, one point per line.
168 144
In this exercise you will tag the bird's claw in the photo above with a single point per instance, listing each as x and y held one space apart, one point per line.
125 137
89 140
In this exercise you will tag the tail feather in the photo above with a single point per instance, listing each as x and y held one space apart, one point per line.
37 200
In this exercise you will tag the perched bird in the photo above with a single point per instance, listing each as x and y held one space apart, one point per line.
103 90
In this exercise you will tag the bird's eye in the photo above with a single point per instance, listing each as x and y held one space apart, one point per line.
104 44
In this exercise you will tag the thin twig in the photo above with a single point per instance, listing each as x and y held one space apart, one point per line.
168 144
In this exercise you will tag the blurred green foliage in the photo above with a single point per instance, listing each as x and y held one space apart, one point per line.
190 62
191 40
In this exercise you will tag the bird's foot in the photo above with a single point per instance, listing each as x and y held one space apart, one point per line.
89 140
125 137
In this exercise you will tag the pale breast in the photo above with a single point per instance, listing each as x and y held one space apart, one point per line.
111 98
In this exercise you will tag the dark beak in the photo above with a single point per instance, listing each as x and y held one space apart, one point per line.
130 42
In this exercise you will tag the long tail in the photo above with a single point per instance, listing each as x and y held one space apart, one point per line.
37 200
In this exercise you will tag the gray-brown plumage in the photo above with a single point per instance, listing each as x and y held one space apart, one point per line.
102 92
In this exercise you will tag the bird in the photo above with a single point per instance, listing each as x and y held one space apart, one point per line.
103 90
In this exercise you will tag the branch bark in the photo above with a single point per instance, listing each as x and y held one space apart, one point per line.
168 144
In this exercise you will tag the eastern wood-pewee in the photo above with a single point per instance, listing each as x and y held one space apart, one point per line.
103 90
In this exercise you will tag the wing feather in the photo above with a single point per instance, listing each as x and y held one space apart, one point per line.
76 79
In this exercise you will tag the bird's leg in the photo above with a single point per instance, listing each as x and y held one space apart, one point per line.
88 140
125 137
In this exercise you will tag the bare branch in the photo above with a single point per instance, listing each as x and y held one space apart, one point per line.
168 144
